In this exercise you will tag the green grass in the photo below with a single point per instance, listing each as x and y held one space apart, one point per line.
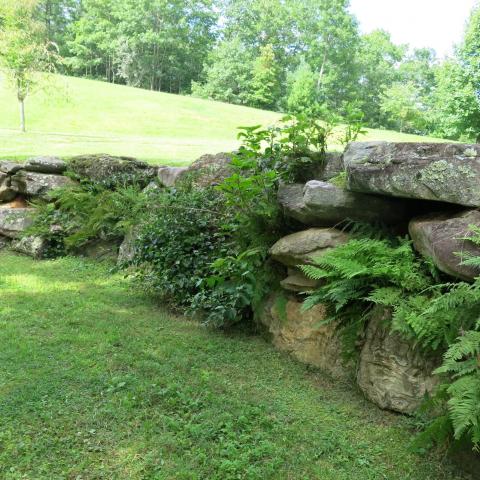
96 382
75 116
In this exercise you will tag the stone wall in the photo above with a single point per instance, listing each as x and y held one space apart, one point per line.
431 191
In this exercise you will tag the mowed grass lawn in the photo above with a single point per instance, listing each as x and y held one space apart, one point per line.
75 116
97 382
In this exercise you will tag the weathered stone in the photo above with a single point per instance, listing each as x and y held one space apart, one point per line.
298 282
6 192
392 373
107 168
428 171
167 176
45 165
39 185
14 221
331 167
209 169
442 237
303 336
127 249
99 250
323 204
303 247
32 246
6 166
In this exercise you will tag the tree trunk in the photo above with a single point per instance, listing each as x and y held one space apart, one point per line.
22 115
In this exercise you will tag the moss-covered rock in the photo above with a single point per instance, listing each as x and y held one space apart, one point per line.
429 171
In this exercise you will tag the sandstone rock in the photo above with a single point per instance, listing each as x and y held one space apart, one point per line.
392 373
167 176
429 171
18 202
6 192
45 165
107 168
441 238
6 166
32 246
298 282
39 185
210 169
303 247
300 334
13 221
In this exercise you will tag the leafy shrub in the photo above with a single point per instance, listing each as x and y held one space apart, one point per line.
86 212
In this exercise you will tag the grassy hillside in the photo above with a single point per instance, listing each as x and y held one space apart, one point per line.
76 116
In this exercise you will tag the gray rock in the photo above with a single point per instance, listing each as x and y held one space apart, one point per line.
99 250
332 167
45 165
210 169
167 176
303 336
322 204
106 168
6 166
428 171
33 246
13 221
441 237
303 247
39 185
127 249
392 373
6 192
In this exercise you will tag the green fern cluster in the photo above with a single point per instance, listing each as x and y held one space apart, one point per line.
441 317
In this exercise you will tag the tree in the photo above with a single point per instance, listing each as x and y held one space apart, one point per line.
377 60
228 75
265 88
400 101
24 50
302 89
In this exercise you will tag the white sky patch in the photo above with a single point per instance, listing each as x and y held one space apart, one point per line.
437 24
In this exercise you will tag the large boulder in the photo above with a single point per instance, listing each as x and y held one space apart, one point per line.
442 238
33 246
33 184
304 247
302 335
320 203
13 221
109 169
210 169
45 165
168 176
428 171
392 373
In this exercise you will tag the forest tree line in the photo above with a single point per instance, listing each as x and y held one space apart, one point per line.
285 55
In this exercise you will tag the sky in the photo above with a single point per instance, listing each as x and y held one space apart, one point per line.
437 24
